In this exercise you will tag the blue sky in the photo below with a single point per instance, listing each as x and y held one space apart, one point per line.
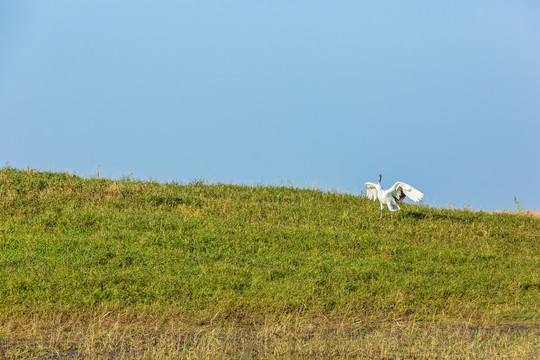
443 95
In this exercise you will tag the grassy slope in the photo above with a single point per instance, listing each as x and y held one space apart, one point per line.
244 253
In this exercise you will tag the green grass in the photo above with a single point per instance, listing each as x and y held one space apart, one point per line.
216 253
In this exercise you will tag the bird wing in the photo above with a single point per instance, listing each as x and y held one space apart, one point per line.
371 191
400 190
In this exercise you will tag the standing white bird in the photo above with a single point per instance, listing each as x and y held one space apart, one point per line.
392 196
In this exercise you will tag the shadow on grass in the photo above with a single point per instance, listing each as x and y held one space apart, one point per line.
437 216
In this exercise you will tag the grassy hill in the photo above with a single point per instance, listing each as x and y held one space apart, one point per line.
174 259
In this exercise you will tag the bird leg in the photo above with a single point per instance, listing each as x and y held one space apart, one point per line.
391 216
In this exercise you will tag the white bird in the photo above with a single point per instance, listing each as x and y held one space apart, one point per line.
392 196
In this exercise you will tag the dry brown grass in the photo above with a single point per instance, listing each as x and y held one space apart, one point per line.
107 333
532 213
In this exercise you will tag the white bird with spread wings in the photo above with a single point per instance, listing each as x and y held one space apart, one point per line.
393 196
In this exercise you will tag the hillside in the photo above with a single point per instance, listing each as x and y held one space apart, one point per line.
209 254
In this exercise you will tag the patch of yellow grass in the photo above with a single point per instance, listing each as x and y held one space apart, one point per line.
532 213
123 334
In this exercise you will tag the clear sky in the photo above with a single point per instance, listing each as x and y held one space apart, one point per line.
443 95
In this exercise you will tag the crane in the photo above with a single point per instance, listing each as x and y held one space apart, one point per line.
393 196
